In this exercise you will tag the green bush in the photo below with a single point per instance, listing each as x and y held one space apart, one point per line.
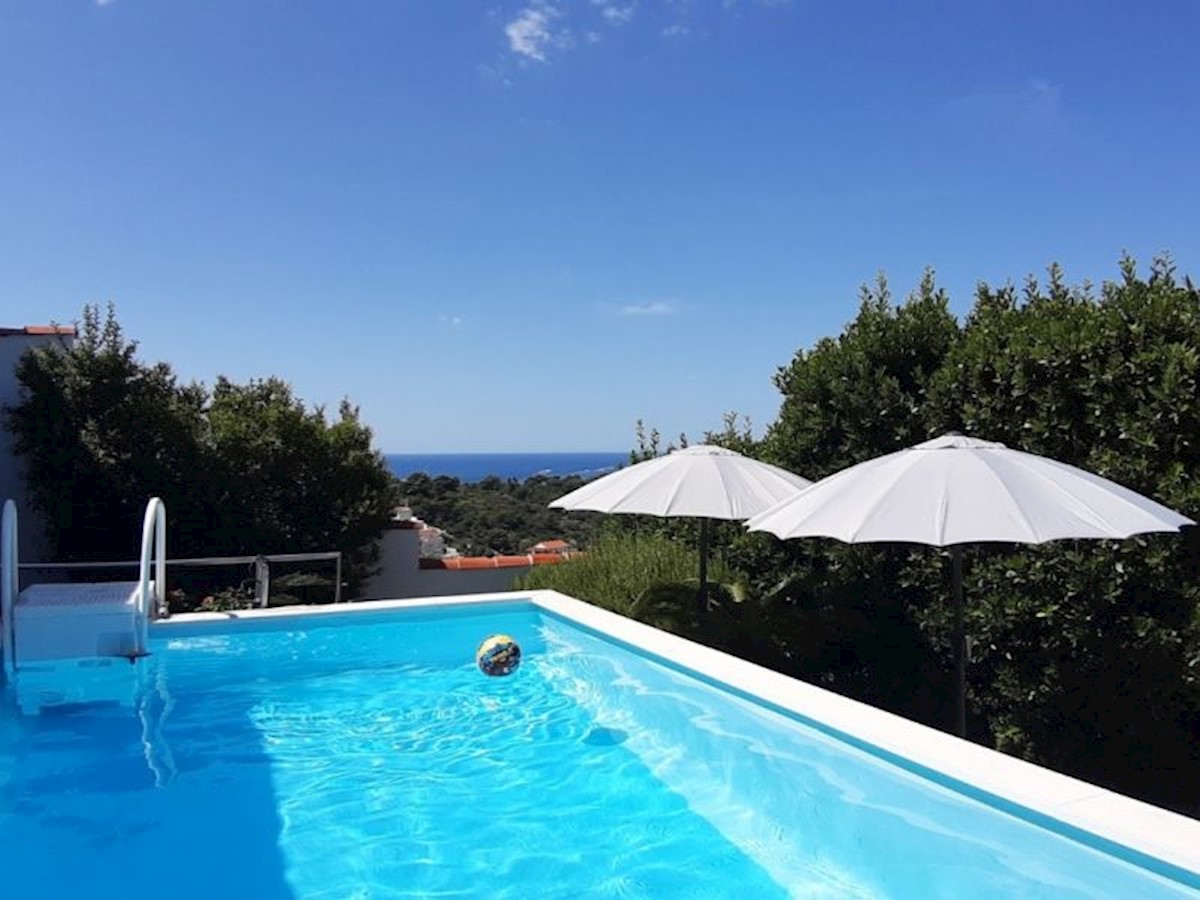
227 599
653 578
619 569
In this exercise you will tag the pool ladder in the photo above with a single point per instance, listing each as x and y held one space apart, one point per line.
89 623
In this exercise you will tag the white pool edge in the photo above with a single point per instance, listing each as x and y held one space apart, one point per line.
1157 833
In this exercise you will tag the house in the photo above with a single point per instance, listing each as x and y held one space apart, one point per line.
433 544
553 545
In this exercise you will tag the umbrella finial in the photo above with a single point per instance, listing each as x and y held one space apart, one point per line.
954 440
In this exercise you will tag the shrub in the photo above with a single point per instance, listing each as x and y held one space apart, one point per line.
619 569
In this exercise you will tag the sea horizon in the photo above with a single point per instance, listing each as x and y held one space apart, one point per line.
476 466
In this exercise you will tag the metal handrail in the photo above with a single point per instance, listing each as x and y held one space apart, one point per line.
210 561
197 561
10 585
154 548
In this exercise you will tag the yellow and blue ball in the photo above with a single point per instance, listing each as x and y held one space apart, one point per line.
498 655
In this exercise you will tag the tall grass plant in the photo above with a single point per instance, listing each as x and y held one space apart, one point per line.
619 570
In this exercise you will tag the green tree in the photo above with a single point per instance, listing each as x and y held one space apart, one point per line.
292 480
246 469
858 395
99 432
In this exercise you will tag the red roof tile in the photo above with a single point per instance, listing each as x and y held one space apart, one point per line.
459 563
38 330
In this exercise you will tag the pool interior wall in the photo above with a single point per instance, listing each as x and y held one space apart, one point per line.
1000 803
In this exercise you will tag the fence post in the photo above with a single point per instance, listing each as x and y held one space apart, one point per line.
262 581
337 589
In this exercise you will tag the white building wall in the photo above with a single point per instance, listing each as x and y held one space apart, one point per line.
400 573
399 557
446 582
30 525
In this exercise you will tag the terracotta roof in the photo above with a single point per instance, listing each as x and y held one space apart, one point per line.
38 329
552 544
496 562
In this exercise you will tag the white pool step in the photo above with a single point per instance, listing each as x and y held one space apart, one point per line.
93 620
66 621
64 683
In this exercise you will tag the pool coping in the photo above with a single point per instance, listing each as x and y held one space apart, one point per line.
1171 839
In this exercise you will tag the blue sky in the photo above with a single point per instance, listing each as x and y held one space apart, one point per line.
523 226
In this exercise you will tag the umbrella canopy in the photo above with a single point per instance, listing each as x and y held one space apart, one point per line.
703 481
959 490
956 490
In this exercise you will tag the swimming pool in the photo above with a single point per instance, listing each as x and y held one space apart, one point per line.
362 755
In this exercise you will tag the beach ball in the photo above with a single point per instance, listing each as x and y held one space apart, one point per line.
498 655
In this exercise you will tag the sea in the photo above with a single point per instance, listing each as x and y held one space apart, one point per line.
520 466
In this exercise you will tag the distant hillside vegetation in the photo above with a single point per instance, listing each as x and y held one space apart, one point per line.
496 516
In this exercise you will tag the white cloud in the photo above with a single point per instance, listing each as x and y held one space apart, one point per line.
653 308
615 13
533 31
541 27
454 321
105 2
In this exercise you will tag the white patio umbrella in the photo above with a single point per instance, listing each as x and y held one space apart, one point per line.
702 481
955 490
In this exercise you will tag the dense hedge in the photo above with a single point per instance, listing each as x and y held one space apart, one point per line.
1086 655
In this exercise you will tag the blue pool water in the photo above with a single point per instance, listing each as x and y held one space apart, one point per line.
364 756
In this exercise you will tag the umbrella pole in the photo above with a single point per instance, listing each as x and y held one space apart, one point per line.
702 596
960 645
